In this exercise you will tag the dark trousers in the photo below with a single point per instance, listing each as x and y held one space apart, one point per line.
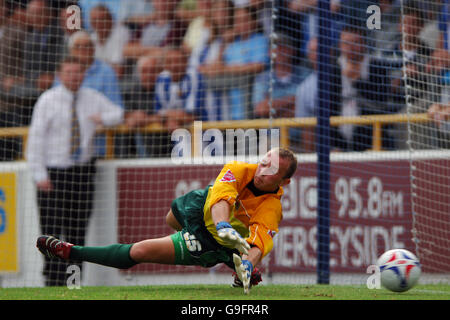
65 212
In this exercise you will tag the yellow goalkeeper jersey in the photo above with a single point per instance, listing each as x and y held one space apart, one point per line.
255 215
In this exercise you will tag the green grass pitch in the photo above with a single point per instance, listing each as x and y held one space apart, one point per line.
224 292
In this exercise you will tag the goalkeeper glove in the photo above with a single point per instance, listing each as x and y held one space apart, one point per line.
230 236
244 269
255 278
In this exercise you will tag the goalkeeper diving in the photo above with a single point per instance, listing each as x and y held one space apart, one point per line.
232 222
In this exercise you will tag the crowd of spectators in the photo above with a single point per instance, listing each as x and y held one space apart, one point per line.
170 62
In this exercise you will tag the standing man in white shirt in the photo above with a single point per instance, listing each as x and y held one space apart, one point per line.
60 156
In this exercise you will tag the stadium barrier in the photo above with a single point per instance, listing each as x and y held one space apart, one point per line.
377 121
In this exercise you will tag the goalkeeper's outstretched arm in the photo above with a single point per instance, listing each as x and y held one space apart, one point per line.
220 212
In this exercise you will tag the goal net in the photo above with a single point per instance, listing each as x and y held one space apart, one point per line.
425 73
164 82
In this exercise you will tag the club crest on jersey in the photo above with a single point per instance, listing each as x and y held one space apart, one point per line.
228 177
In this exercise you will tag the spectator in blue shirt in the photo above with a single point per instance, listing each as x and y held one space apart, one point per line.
245 55
99 75
444 26
216 98
179 92
277 88
440 60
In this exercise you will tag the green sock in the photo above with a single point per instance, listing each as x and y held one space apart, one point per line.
115 255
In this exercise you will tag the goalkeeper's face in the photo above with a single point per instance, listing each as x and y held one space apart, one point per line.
271 172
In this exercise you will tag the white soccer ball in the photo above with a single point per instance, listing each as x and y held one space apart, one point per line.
399 270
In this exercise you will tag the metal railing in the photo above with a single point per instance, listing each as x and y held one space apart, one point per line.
284 124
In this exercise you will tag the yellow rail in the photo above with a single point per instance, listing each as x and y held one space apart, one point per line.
377 121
